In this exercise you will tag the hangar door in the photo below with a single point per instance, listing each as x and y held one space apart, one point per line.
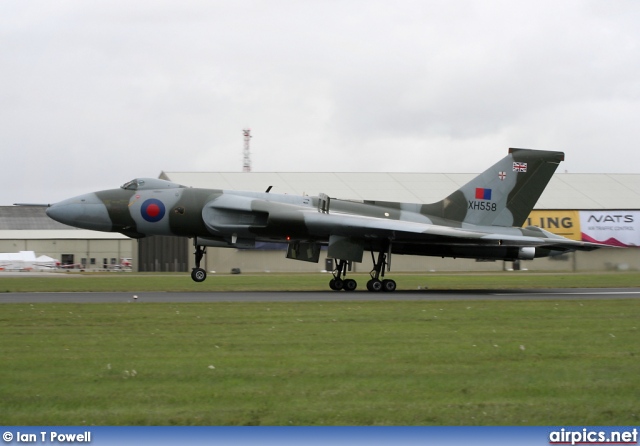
161 253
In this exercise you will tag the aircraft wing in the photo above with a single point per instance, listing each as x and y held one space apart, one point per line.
363 227
371 227
228 213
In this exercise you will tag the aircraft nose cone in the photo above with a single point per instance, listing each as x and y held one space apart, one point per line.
86 212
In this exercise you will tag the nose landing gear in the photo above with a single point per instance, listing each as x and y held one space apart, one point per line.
198 274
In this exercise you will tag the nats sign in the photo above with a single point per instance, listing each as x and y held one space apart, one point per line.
616 228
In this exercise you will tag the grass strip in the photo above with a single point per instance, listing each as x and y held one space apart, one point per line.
567 362
88 282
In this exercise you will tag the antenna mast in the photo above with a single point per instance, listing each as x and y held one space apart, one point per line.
246 154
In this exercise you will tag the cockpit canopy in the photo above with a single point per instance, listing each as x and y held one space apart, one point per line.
150 184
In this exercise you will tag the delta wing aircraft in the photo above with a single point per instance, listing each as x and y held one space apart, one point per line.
481 220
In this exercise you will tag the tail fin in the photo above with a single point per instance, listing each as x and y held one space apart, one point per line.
502 195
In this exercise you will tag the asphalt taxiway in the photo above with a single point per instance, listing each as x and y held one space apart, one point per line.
323 296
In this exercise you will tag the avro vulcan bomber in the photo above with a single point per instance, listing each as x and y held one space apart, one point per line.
481 220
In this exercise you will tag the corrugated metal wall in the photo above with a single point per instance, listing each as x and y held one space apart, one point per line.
162 253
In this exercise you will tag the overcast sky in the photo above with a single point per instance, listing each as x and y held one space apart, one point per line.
95 93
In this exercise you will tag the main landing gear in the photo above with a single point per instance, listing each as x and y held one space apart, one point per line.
338 282
374 284
198 274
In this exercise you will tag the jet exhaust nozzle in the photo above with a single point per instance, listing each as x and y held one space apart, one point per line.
527 253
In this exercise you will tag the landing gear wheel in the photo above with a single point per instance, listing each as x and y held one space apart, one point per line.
349 285
336 284
198 274
388 285
384 256
374 285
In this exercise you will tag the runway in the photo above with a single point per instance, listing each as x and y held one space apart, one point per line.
324 296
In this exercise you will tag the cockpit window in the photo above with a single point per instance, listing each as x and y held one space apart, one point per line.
133 184
150 184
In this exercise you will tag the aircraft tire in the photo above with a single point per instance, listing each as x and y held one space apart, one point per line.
388 285
198 274
374 285
336 284
350 285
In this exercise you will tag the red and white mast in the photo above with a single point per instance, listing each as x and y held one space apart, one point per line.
246 158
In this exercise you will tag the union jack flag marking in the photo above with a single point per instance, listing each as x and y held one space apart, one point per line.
502 175
519 167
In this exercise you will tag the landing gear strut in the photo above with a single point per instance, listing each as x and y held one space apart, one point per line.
198 274
338 282
375 284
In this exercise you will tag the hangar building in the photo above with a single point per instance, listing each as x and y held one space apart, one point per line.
569 204
28 228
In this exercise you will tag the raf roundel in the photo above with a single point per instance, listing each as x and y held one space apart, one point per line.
152 210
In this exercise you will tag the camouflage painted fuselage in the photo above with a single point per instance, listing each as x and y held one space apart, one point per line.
480 220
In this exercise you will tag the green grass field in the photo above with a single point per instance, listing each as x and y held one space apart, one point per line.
308 282
567 362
